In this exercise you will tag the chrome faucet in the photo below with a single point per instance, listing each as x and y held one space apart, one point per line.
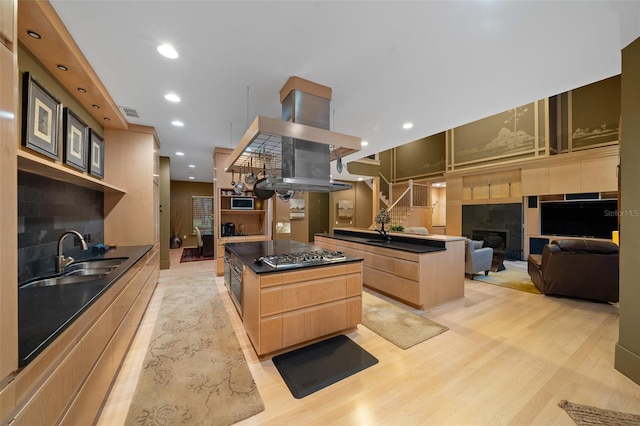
62 261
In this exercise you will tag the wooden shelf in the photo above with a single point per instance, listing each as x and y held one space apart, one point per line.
32 163
239 211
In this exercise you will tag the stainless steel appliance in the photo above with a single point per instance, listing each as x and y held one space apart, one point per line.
241 203
233 278
303 258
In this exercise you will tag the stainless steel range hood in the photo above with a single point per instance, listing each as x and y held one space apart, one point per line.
297 149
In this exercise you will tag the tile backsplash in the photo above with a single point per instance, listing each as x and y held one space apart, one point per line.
46 209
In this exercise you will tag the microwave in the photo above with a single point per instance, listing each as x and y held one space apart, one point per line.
241 203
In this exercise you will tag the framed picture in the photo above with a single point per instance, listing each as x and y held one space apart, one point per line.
296 208
41 118
345 209
75 140
96 154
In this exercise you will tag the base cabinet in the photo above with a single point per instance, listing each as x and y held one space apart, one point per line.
77 379
285 309
422 280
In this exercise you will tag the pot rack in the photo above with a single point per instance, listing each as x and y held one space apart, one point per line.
263 142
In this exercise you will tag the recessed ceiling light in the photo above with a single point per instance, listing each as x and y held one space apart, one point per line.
407 125
94 106
364 143
168 51
180 153
177 123
34 34
82 90
106 119
62 68
172 97
359 178
191 177
192 166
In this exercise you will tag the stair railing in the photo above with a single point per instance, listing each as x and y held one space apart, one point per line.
416 195
385 187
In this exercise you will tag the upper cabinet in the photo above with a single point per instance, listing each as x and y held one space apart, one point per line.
131 162
8 197
7 22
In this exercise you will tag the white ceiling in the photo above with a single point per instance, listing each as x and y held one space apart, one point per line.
438 64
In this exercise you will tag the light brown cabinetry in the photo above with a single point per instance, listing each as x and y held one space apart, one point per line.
69 380
131 162
8 193
593 170
7 22
422 280
256 223
282 310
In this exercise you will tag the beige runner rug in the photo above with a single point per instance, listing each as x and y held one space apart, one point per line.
584 415
194 372
402 328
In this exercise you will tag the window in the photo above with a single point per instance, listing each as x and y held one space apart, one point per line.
201 212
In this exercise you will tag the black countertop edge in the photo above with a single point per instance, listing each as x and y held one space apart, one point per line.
45 312
248 252
413 245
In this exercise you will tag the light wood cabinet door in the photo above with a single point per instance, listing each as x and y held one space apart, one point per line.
7 22
8 213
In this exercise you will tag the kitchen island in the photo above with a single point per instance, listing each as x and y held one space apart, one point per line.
422 271
309 294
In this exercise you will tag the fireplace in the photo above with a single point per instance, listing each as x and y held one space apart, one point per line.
495 220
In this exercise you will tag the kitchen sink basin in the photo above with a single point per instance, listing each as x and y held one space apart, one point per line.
93 271
379 241
45 282
97 263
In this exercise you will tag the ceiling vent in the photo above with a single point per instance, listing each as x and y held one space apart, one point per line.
130 112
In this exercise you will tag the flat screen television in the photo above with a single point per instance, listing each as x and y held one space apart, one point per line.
593 218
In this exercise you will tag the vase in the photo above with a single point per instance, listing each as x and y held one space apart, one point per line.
175 242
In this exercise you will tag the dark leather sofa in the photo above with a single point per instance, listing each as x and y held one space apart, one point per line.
581 268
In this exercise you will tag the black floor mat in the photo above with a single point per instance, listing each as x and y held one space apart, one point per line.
314 367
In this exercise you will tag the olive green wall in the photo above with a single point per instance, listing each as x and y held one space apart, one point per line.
361 196
181 193
627 356
165 210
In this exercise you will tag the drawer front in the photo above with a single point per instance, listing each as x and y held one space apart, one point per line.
270 301
270 335
297 296
406 269
307 324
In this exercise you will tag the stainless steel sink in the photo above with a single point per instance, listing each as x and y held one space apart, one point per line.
80 272
93 271
45 282
97 263
379 241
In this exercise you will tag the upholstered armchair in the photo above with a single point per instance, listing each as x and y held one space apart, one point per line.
199 236
477 258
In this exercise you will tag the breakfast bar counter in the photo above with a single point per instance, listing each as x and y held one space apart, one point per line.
422 271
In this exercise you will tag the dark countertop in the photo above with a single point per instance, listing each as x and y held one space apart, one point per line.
398 242
249 251
45 312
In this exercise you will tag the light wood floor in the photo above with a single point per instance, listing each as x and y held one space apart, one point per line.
509 357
